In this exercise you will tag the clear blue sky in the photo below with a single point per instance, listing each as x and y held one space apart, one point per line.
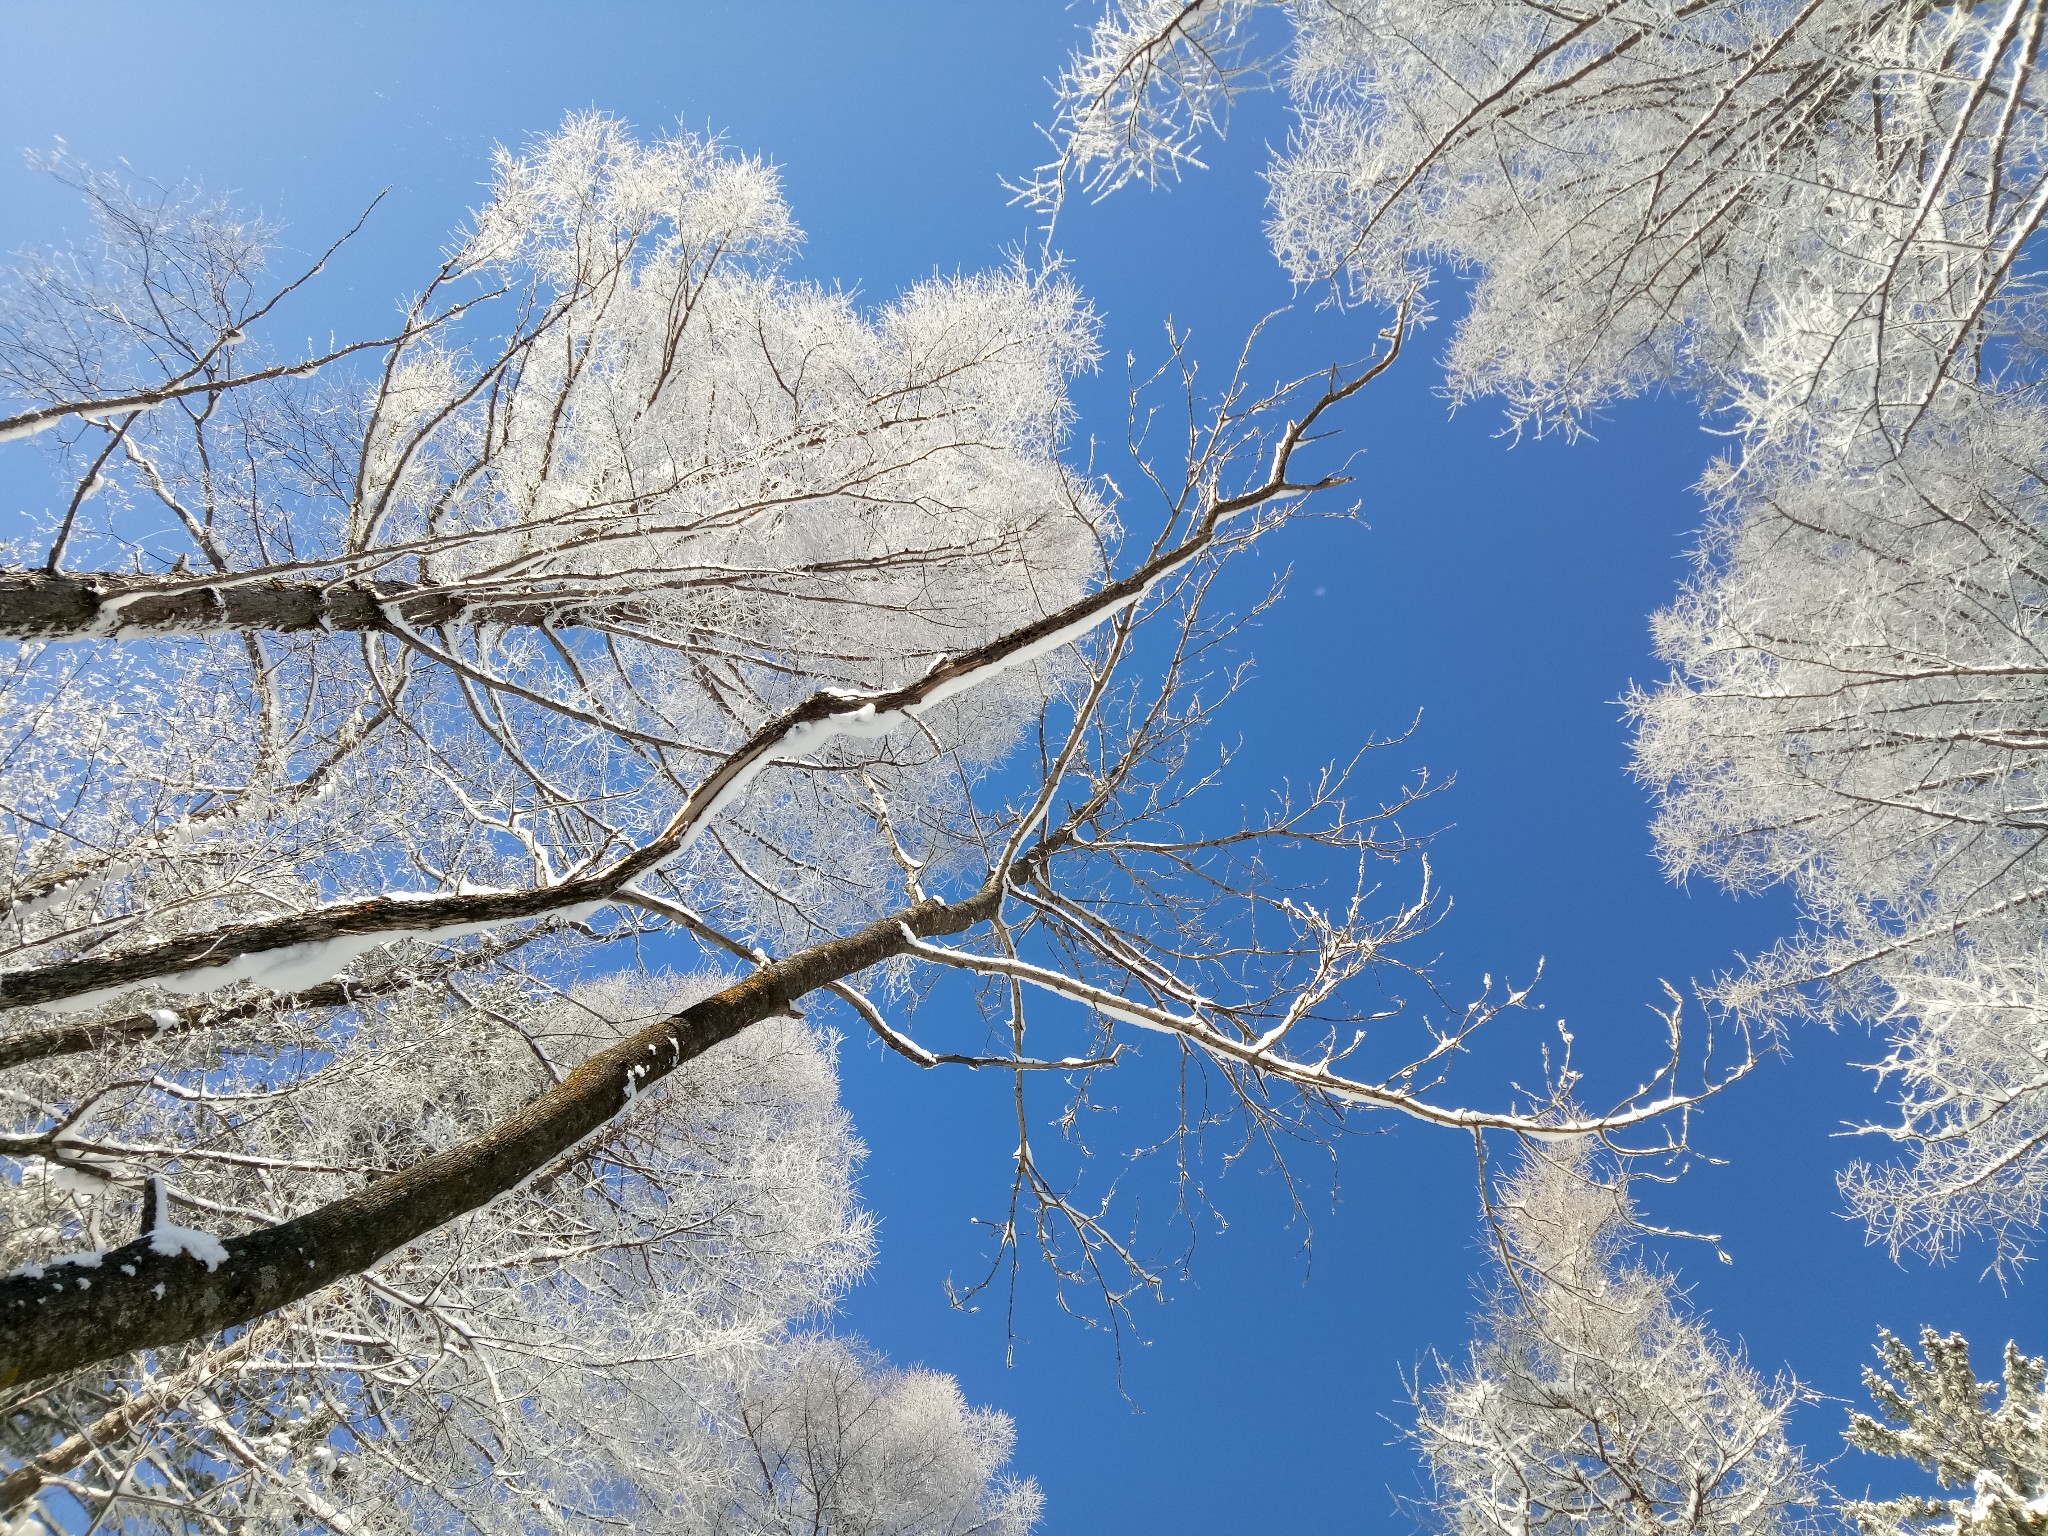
1504 592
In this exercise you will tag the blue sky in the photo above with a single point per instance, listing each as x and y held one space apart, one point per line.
1503 591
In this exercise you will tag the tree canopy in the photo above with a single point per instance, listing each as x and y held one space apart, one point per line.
631 589
462 782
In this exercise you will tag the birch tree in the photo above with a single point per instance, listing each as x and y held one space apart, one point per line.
1822 219
1594 1399
634 596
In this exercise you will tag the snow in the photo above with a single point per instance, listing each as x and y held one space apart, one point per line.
294 967
171 1240
89 1258
799 740
168 839
108 413
62 891
1045 645
22 429
75 1180
106 620
462 888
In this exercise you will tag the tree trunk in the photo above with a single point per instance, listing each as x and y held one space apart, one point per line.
72 1315
45 605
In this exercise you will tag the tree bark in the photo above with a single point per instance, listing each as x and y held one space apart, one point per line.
70 1039
136 1298
64 605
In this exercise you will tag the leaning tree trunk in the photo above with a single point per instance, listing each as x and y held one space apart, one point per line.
66 1315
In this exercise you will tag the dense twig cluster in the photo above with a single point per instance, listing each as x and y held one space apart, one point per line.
1593 1400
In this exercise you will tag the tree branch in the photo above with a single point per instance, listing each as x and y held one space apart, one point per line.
66 1316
